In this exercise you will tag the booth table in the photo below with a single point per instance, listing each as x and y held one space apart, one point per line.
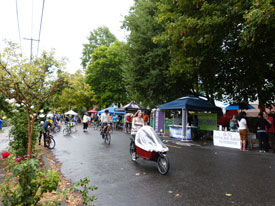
231 139
176 131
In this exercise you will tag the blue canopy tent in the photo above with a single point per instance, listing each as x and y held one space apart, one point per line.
190 103
111 111
239 106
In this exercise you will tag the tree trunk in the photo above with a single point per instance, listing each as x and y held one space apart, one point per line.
30 136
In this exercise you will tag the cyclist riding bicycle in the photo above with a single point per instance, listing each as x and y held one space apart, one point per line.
105 119
47 125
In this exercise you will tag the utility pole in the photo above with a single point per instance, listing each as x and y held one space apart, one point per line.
31 39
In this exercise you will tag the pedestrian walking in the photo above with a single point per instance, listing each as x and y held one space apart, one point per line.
261 124
85 122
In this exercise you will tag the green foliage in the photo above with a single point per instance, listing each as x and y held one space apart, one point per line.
29 83
19 133
83 188
98 37
31 185
147 75
226 47
78 95
104 74
4 107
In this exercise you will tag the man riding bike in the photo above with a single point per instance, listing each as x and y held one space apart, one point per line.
46 127
105 119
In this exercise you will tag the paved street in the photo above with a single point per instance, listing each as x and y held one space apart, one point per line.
4 139
199 175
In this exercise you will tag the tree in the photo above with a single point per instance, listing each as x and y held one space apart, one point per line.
147 75
98 37
78 95
227 46
257 40
31 84
104 74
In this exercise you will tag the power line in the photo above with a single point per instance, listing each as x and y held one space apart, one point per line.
31 39
18 23
40 26
32 20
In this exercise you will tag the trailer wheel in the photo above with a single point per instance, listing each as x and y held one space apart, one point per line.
132 152
163 164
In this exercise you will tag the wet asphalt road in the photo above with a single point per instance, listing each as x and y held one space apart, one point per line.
199 175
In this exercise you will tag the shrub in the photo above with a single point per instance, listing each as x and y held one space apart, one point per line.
19 133
27 183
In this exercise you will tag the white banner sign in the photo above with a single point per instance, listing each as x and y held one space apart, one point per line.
227 139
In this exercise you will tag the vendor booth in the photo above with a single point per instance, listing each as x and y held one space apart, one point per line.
132 107
71 112
112 111
231 139
180 129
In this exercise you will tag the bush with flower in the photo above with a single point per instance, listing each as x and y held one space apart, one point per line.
26 182
19 131
5 155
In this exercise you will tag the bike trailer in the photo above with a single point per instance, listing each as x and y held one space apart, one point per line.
147 140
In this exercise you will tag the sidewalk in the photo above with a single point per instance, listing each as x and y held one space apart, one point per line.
4 143
4 138
207 144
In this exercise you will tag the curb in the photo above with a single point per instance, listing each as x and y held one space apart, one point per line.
47 165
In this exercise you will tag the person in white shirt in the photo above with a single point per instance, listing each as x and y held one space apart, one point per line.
105 120
243 130
85 122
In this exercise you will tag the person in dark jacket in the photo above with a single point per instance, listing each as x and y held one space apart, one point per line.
261 124
47 125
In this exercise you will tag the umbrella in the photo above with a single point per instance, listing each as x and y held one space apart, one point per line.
71 112
92 111
239 106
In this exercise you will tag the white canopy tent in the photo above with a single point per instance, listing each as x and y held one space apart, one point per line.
71 112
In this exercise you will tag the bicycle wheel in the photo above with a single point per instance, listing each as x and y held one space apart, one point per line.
50 142
132 151
107 138
56 129
66 132
163 164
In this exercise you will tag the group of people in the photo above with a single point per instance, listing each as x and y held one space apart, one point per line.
130 119
135 121
264 127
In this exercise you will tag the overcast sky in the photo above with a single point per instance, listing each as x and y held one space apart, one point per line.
66 24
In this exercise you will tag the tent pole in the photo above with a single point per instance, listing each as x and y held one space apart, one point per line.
164 124
186 116
182 121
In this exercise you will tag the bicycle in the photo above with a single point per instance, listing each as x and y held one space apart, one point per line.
68 130
107 136
56 128
111 128
50 142
98 124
